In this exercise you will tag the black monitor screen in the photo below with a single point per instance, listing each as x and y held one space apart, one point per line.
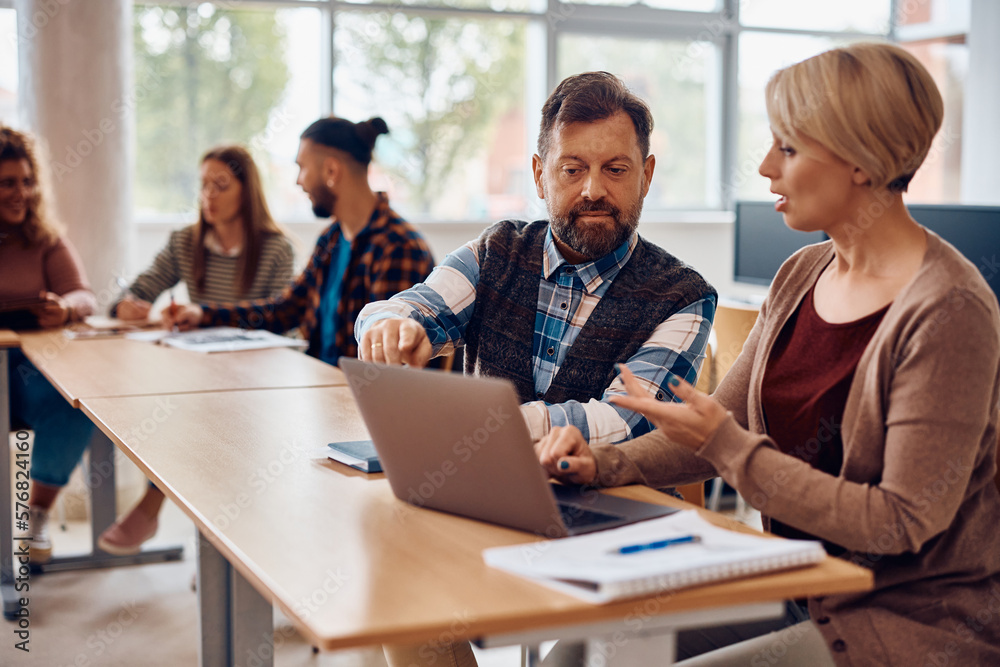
973 230
763 242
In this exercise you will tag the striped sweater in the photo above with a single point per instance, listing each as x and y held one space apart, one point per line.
175 263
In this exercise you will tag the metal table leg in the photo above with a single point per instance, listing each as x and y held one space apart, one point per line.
101 479
235 623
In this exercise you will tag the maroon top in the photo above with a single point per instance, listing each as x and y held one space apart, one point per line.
805 387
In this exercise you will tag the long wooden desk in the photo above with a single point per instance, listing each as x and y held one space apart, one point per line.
117 367
121 367
353 566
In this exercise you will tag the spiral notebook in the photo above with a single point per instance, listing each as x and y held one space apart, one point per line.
663 554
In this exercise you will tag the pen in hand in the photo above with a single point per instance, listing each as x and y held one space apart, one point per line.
658 544
173 312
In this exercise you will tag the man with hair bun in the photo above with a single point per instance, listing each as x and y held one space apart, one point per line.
368 253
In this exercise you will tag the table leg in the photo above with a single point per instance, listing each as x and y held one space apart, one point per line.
101 479
7 592
102 484
235 622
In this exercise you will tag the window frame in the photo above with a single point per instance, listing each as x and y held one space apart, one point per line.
721 27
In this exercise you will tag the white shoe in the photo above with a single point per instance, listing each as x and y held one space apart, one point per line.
40 547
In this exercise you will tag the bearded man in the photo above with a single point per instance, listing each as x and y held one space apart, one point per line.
555 306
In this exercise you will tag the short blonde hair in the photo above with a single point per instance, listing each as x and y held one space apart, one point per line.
873 105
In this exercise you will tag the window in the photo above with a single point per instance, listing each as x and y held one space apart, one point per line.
460 84
761 54
677 91
934 31
8 73
451 91
205 75
858 16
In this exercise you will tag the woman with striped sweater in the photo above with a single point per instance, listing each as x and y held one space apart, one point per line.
235 252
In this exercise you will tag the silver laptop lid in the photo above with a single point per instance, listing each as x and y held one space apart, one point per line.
455 443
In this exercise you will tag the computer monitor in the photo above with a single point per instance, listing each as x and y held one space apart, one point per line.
973 230
763 242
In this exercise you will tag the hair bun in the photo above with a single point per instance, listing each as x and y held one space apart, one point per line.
378 125
369 130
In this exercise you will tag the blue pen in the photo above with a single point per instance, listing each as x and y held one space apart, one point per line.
659 544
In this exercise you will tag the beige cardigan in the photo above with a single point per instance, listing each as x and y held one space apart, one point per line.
915 501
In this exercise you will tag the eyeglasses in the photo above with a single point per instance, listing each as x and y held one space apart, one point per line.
213 187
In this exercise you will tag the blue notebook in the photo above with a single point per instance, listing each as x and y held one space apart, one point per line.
358 454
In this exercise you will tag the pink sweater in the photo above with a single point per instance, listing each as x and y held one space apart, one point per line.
26 272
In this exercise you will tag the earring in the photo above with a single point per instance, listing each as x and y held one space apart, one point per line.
329 183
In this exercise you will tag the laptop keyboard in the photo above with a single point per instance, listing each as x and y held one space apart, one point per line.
575 516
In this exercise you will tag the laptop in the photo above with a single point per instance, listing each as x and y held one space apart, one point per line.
459 444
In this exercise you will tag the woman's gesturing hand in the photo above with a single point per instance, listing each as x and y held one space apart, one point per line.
690 423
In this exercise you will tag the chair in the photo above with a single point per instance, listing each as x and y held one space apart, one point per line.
693 493
732 325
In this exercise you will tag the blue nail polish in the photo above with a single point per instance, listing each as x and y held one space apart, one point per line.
564 465
674 381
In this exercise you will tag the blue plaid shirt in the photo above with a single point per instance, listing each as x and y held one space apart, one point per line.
567 295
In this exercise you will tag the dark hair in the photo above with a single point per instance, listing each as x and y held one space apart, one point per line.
257 220
38 228
591 96
355 139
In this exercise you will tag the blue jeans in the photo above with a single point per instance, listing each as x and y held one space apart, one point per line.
62 432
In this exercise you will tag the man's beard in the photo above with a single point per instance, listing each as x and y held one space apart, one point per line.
324 201
594 241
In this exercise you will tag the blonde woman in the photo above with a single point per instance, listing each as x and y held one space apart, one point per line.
863 409
234 252
37 261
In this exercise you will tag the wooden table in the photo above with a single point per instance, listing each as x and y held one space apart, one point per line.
353 566
117 367
122 367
